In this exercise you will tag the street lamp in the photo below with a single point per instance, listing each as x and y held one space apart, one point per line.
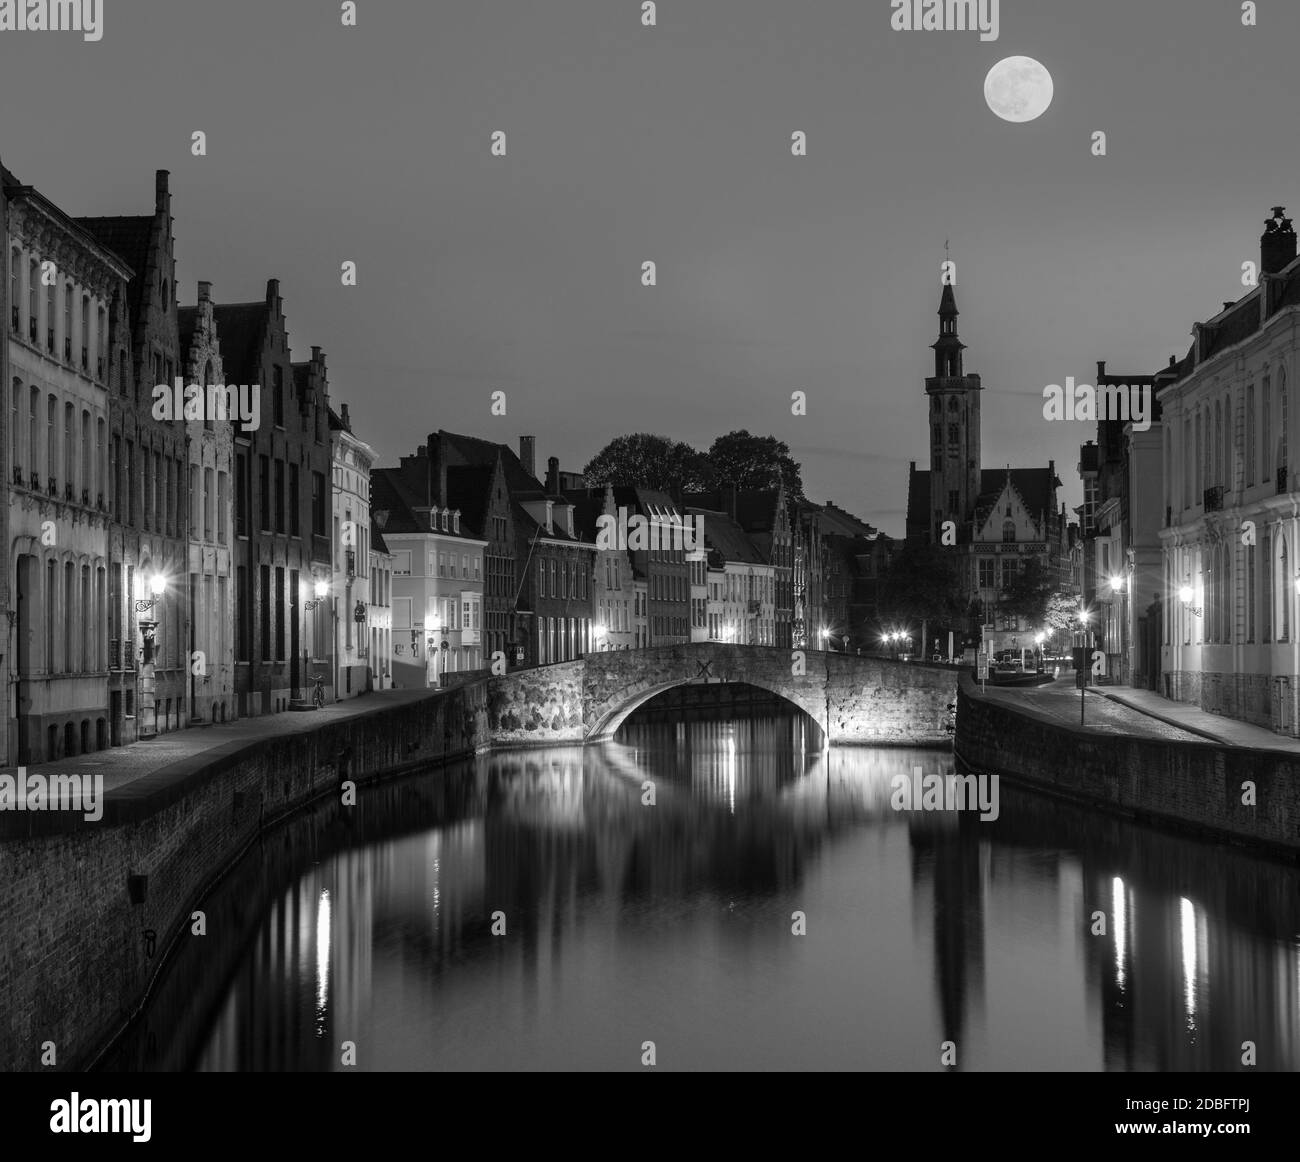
1082 676
1187 595
148 628
321 589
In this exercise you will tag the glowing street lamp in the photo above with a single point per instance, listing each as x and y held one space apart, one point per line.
1187 595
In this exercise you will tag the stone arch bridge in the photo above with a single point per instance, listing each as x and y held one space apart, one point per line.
852 699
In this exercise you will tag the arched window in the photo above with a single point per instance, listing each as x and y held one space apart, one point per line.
1197 480
1284 590
67 322
33 281
15 431
1283 463
85 332
51 437
51 313
1008 531
1218 443
86 451
15 291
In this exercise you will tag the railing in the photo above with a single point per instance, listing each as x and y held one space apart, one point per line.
1281 479
1213 499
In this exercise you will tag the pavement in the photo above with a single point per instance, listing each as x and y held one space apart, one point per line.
1141 713
180 752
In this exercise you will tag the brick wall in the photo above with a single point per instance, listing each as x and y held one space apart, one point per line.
1196 786
74 964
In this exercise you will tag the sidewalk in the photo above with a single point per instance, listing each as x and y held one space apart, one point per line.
1141 713
173 756
1215 727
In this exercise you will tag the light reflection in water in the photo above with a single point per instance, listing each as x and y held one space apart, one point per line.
322 959
1119 919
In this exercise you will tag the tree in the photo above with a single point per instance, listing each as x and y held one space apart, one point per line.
648 461
754 462
923 585
1062 611
1027 594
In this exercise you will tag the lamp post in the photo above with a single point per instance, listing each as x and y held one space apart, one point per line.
148 628
1082 675
321 590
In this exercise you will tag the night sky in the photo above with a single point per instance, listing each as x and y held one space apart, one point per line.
672 144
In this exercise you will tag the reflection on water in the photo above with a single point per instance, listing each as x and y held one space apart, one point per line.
1051 938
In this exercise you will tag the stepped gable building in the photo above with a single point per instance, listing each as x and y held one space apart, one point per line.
66 352
149 535
282 510
548 615
210 443
352 460
661 573
1001 517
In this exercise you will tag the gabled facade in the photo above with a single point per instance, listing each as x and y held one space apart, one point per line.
149 534
210 442
352 459
282 512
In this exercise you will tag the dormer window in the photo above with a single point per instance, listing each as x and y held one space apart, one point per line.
550 517
455 521
444 520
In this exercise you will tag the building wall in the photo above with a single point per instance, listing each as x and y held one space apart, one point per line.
56 405
380 623
211 479
350 588
1234 648
281 645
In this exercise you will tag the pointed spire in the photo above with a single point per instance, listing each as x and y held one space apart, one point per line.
947 351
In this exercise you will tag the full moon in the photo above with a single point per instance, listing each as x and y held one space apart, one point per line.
1018 89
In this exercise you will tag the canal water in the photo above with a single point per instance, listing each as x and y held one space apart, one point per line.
769 910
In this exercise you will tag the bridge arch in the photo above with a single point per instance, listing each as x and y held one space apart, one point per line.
606 725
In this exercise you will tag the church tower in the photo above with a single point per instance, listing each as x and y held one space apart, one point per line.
954 428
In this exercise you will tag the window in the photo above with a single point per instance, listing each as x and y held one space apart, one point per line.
1008 531
264 613
1283 464
953 500
208 499
242 613
1266 414
401 562
241 495
277 394
318 495
1250 434
264 492
986 573
33 281
279 613
15 279
293 501
223 490
86 453
51 448
279 496
953 433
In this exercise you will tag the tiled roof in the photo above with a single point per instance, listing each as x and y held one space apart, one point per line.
1033 484
727 538
377 542
467 490
128 237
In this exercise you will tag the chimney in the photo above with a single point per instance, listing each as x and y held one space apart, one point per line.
162 202
343 415
527 453
1277 245
438 469
553 475
205 291
273 294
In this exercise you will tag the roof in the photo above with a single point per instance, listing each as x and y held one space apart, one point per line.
727 538
129 237
377 542
241 327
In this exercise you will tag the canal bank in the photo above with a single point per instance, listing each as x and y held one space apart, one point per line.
1149 770
90 910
